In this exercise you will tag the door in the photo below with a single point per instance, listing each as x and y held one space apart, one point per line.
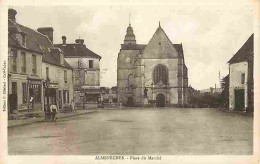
13 102
12 99
239 99
130 101
160 100
60 100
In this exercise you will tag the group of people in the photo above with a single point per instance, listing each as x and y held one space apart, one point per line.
54 110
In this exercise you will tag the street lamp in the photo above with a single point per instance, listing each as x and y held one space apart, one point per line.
47 110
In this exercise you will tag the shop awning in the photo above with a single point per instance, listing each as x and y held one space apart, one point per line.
90 87
92 91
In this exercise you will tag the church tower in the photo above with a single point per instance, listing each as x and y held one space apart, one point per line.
130 36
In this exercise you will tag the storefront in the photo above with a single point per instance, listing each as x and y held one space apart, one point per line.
92 94
51 94
35 94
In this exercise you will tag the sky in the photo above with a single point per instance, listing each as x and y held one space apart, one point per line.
210 34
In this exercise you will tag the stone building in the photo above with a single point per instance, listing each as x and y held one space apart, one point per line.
151 74
85 64
29 53
241 79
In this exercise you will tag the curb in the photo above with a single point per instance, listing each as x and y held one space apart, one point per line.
39 120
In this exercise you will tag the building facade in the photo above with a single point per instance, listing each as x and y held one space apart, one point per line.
151 74
30 52
24 72
59 75
241 80
86 71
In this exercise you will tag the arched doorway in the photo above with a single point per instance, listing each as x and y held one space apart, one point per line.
130 101
160 100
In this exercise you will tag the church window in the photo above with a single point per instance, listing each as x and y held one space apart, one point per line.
160 74
160 43
130 83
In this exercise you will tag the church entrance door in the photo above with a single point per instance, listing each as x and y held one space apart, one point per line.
130 101
160 100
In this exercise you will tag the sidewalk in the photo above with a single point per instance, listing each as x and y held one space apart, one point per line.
13 123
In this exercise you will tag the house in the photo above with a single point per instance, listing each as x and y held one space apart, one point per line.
25 64
37 70
85 64
241 79
155 72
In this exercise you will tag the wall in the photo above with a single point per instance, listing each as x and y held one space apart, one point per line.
172 65
88 76
56 75
20 78
236 70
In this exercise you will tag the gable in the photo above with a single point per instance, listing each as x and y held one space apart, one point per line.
159 47
245 52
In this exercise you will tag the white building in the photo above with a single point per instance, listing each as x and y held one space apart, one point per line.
241 90
86 71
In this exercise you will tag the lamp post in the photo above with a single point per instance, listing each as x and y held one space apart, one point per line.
47 110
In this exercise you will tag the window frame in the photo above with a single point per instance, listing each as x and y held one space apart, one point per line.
243 78
160 72
23 63
24 86
47 72
34 64
65 76
91 63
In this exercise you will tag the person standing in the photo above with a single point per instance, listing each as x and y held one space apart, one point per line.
54 111
72 105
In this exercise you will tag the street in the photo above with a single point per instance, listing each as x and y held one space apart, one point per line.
164 131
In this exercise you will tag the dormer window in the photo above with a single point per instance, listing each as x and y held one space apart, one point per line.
23 38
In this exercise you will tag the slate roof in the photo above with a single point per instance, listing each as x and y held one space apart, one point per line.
76 50
35 42
179 49
244 52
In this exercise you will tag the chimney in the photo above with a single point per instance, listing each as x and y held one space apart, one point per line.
11 14
63 40
79 41
46 31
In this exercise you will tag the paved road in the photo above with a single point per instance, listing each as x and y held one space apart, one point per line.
138 131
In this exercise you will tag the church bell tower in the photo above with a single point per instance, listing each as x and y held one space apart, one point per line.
130 36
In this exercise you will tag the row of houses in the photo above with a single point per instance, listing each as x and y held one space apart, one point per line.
41 73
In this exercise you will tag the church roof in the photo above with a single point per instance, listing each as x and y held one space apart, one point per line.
246 51
160 46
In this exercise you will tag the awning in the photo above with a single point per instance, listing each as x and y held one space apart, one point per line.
92 91
90 87
53 85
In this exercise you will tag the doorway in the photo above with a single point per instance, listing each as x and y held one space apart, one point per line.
239 99
130 101
160 100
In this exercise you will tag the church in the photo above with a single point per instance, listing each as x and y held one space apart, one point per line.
151 74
